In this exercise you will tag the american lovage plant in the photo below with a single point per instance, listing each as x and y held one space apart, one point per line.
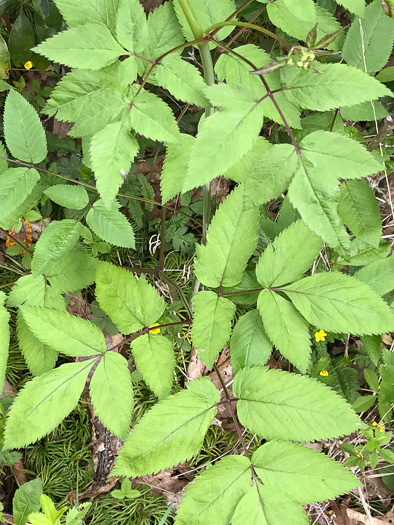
118 59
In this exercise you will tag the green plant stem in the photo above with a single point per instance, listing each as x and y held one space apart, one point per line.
249 26
191 18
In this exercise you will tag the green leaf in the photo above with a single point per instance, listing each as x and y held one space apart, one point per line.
335 85
175 166
364 403
44 402
26 500
131 304
290 255
89 46
165 33
369 41
303 474
378 275
182 79
364 111
249 344
359 209
111 225
179 422
112 393
112 150
372 379
279 405
23 131
362 254
354 6
153 118
231 240
69 196
98 11
244 168
238 128
214 494
64 332
372 344
286 328
154 357
16 184
211 325
4 337
386 75
54 243
340 303
132 26
21 39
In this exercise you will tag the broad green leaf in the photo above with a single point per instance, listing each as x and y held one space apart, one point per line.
182 79
171 432
75 271
335 85
211 325
111 392
378 275
132 26
238 128
153 118
165 33
362 253
44 402
131 303
372 344
231 240
340 303
302 9
98 11
303 474
263 506
54 243
89 46
249 344
23 131
354 6
386 75
4 337
290 255
214 495
245 167
69 196
369 41
286 328
370 110
175 166
364 403
280 405
64 332
154 357
359 209
26 500
16 184
21 38
270 175
207 13
112 150
111 225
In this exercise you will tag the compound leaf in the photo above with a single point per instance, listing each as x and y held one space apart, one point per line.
111 225
165 33
132 26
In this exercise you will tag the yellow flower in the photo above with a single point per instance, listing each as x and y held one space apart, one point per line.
359 455
320 335
324 373
28 65
374 424
156 330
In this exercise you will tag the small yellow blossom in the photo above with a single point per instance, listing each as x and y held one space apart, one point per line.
324 373
359 455
320 335
28 65
156 330
374 424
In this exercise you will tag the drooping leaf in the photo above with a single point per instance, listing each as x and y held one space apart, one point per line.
154 356
112 150
112 393
231 240
132 26
211 325
378 275
16 184
340 303
286 328
96 11
69 196
131 303
44 402
64 332
4 337
180 423
290 255
88 46
249 344
214 495
23 131
111 225
359 209
26 500
303 474
175 166
269 407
